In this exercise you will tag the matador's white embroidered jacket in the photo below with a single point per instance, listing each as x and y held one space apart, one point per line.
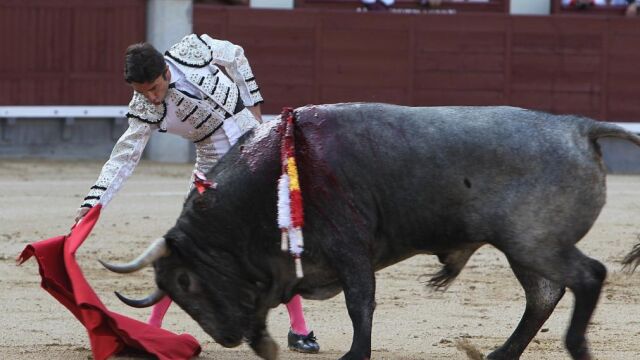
203 105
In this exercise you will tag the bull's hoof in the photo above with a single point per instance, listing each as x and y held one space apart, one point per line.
303 343
351 356
580 354
266 348
578 347
499 354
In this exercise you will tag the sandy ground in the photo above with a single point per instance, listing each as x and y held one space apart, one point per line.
38 200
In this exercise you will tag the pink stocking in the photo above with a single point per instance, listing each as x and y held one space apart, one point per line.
296 317
158 311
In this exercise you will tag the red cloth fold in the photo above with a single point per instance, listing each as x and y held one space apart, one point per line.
109 332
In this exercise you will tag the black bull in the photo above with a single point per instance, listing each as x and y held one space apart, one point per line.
382 183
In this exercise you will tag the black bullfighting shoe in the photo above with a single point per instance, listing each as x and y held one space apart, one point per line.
303 343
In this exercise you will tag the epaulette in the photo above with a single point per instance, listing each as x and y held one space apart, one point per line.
191 51
142 109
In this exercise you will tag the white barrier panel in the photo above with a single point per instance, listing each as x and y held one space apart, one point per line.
63 111
120 111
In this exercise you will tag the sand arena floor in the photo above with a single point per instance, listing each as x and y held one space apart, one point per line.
38 200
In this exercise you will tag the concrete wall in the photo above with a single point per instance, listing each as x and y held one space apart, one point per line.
620 156
94 138
168 21
85 138
271 4
530 7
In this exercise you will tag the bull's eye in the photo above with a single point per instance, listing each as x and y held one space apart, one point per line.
184 282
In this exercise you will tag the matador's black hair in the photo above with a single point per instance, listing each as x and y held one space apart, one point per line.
143 63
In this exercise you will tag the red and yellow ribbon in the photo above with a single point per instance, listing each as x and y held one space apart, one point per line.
290 210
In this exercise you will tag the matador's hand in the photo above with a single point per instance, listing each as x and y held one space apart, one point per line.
81 213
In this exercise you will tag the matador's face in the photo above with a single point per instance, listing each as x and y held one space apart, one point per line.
155 91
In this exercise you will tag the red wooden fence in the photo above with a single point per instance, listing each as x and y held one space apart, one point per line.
70 52
67 51
561 63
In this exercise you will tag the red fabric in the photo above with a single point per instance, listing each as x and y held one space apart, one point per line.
109 333
297 214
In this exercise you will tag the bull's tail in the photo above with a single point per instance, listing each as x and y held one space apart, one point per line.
601 129
632 260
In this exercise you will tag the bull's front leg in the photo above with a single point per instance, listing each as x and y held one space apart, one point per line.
359 288
261 342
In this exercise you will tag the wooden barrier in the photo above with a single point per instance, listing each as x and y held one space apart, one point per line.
67 52
561 63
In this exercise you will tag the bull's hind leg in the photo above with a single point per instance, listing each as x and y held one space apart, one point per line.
542 297
570 268
586 286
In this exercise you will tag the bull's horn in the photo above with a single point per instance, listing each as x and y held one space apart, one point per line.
142 303
155 251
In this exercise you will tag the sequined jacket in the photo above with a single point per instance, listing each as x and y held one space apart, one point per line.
219 106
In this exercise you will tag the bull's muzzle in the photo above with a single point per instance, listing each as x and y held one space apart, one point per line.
156 250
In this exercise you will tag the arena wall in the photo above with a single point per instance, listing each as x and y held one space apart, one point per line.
69 52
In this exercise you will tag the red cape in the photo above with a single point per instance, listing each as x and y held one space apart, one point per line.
109 333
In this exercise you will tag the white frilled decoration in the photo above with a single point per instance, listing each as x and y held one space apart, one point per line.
290 214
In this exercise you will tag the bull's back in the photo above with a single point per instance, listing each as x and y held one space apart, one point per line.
432 177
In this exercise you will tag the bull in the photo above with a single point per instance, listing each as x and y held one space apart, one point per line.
382 183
